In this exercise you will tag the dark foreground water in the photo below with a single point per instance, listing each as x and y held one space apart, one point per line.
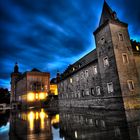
73 124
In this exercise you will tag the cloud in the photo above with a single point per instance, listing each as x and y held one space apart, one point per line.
51 34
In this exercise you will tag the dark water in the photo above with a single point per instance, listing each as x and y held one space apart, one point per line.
73 124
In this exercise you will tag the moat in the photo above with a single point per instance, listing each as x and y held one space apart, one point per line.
71 124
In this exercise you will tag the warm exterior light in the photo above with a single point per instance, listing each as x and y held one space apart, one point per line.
42 96
55 119
137 48
30 97
53 89
36 96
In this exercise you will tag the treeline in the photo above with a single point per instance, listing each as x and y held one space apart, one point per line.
4 96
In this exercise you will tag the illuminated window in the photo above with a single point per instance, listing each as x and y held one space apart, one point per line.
75 133
73 69
106 62
95 70
98 91
42 96
36 96
130 85
70 80
125 58
30 97
110 87
137 48
120 37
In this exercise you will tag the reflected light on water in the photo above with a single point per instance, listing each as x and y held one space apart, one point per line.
42 117
75 133
31 117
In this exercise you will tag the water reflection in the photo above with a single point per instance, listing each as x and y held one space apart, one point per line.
99 125
32 125
4 125
70 125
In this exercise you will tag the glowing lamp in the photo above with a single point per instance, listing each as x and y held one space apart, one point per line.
42 95
30 97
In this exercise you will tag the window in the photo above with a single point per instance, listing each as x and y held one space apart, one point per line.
70 80
92 91
73 69
86 73
95 70
82 92
36 96
102 40
98 91
130 85
120 36
77 78
125 58
106 62
87 92
110 87
82 75
137 48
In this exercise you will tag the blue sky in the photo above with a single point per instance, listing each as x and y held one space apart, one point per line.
51 34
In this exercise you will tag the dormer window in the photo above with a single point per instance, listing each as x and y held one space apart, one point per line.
120 36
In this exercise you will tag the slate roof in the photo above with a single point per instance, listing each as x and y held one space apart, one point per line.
81 63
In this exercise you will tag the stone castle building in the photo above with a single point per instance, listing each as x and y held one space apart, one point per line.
107 77
30 87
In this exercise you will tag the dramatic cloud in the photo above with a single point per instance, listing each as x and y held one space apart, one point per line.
51 34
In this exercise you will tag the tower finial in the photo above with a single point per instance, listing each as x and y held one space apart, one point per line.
107 14
16 68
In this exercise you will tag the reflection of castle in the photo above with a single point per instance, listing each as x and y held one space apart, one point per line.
109 75
32 125
30 87
98 125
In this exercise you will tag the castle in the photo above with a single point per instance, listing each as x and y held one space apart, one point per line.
107 77
29 88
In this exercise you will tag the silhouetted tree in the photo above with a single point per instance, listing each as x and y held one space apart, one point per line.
4 96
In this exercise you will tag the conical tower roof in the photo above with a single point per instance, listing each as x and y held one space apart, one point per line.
107 14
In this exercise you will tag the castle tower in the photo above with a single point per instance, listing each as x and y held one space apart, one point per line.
14 76
115 58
